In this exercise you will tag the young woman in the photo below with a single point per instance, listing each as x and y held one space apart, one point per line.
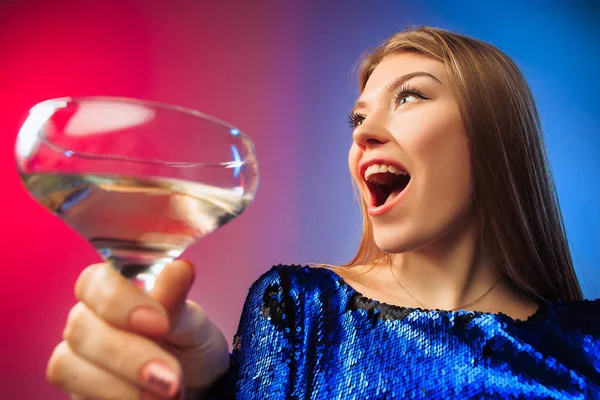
463 285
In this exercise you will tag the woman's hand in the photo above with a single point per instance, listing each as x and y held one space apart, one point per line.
120 343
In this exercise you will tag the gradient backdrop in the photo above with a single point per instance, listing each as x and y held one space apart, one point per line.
282 72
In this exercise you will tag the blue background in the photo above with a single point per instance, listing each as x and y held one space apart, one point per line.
555 44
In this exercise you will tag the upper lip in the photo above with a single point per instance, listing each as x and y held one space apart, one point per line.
367 163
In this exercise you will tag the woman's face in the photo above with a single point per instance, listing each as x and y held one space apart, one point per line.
410 155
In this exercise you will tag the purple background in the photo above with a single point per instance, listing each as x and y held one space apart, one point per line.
282 72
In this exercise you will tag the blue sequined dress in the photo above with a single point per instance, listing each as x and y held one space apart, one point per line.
306 334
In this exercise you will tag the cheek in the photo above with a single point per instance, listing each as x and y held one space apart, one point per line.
446 171
353 159
439 151
438 146
449 165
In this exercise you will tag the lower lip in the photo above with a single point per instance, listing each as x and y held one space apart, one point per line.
376 211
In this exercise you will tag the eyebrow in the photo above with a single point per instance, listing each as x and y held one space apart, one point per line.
390 87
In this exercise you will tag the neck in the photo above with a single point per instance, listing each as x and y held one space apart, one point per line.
450 273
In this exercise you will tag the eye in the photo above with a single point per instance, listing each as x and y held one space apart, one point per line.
407 94
404 99
355 120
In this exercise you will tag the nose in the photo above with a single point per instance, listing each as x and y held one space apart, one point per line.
370 134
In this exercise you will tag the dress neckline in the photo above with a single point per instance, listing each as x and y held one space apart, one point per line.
542 306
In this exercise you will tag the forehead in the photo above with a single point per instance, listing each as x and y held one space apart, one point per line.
396 65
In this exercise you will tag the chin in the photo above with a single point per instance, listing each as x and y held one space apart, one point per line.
395 242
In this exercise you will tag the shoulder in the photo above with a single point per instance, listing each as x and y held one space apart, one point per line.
297 285
574 317
295 274
567 332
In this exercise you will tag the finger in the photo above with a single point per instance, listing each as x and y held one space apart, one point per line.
73 374
171 289
132 357
191 327
199 345
112 297
173 284
143 396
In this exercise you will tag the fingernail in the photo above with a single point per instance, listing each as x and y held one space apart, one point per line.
149 320
190 265
158 377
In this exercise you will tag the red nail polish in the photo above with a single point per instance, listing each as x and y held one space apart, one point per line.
190 264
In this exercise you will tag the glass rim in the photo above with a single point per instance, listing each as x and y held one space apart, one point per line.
132 100
148 103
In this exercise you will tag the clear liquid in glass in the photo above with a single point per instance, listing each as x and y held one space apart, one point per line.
137 224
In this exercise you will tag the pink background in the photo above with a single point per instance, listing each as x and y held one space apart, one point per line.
185 54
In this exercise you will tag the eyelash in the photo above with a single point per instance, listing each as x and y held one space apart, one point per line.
406 90
354 118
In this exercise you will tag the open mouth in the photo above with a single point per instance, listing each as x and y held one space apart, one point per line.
385 183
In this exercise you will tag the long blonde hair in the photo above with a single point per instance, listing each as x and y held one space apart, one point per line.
514 191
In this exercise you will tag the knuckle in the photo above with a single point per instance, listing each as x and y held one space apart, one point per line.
55 370
82 280
75 327
109 297
196 310
106 348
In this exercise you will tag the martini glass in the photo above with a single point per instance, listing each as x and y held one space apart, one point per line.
141 181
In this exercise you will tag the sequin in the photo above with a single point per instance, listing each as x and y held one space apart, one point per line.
305 334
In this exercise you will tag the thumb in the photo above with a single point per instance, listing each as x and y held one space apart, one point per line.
188 324
193 338
172 286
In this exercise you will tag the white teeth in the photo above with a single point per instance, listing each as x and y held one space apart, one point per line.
382 168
